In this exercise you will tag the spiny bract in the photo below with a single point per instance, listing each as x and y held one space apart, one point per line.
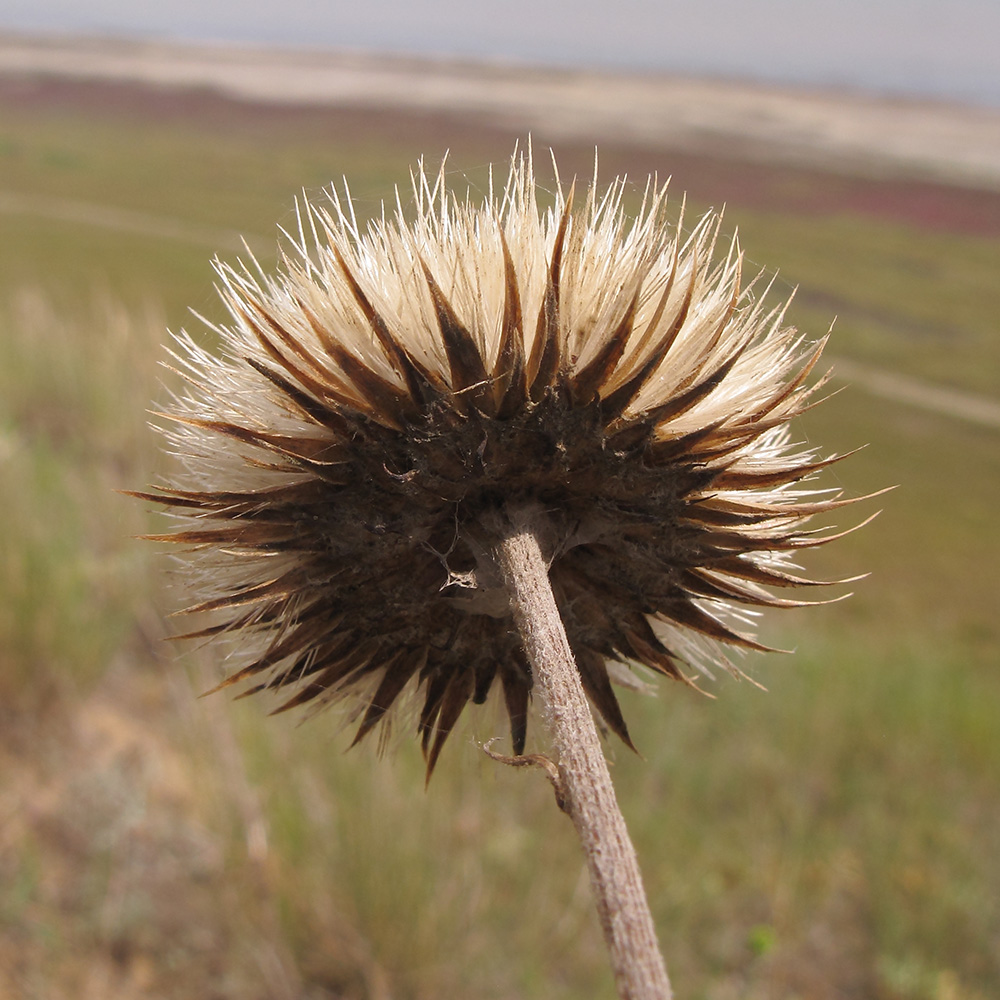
394 386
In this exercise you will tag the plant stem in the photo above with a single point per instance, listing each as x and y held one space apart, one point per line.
587 793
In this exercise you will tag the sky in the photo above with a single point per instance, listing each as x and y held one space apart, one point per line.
938 48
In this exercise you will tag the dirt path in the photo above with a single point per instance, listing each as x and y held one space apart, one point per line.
120 220
943 400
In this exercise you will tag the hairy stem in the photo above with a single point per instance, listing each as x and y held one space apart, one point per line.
587 793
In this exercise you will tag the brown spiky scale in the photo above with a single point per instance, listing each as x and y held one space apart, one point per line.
380 399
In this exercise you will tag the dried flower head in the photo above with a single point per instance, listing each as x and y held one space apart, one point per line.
377 402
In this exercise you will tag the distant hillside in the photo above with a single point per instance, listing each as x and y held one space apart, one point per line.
869 134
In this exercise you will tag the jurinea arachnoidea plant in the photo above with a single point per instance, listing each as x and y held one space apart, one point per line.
395 389
476 447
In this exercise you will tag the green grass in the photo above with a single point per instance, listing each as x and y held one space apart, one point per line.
838 832
67 575
906 299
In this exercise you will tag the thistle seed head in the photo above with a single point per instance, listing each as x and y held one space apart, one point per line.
377 402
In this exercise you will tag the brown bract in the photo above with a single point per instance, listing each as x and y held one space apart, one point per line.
393 390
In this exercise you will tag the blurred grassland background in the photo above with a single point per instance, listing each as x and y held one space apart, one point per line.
835 837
